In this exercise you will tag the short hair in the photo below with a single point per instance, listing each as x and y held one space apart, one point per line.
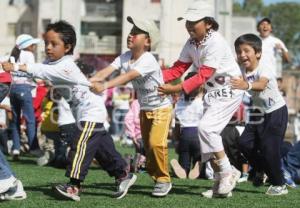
250 39
265 19
66 31
212 22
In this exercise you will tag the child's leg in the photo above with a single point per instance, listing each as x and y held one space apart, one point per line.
184 156
273 128
155 127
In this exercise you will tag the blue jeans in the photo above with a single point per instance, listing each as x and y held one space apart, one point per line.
291 162
21 101
5 171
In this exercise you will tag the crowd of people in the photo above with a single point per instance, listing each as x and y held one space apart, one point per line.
228 123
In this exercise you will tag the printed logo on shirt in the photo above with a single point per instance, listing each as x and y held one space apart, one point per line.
218 94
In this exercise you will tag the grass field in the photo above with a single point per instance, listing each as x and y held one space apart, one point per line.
98 188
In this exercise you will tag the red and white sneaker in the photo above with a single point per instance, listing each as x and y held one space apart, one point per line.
68 191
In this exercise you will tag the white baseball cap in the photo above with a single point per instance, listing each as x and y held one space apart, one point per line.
25 40
148 26
197 10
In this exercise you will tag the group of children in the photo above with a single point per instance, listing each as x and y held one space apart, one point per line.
216 69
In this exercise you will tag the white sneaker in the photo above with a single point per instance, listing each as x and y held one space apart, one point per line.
6 184
228 181
15 193
277 190
214 191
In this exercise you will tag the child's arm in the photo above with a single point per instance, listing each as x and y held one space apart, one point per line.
204 73
240 83
53 73
102 74
119 80
175 71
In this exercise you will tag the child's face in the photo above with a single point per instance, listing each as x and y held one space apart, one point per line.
137 39
264 29
197 30
55 48
247 57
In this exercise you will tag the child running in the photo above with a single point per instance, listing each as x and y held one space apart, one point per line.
266 129
144 71
91 140
208 51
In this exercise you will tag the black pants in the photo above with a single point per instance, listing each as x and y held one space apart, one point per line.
230 137
261 143
92 141
188 147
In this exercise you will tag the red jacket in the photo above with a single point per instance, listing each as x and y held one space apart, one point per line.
5 77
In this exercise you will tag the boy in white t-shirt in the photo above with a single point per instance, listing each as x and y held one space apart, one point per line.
142 69
262 138
272 47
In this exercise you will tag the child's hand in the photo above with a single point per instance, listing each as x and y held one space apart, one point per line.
97 87
7 66
238 83
6 107
168 89
96 79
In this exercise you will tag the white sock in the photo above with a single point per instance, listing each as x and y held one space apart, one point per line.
224 165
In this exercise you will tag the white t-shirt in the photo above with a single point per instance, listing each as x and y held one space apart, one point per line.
65 115
26 57
270 99
215 53
5 101
74 87
147 83
269 51
189 113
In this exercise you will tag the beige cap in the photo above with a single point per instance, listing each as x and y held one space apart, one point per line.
148 26
198 9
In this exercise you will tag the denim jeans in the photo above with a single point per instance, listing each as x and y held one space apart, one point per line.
5 171
291 162
21 101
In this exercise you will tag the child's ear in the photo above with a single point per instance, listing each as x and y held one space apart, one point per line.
67 48
258 55
148 43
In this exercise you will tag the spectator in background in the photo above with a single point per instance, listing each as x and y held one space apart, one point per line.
20 93
274 50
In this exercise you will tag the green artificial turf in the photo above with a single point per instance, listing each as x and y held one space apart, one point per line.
98 188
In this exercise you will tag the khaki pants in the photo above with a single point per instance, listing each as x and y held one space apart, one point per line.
155 127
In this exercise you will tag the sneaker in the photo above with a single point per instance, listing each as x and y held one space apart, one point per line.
123 185
161 189
195 172
178 170
36 152
14 193
228 181
6 184
68 191
214 191
16 154
243 178
277 190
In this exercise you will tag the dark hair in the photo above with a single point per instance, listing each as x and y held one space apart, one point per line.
15 52
66 31
212 22
194 93
265 19
250 39
86 69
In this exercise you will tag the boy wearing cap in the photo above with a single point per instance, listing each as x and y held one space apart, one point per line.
208 51
20 92
271 46
142 69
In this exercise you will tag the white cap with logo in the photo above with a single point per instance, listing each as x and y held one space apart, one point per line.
25 40
198 9
148 26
